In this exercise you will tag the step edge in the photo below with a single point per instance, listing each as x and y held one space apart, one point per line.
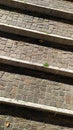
36 66
38 8
36 34
36 106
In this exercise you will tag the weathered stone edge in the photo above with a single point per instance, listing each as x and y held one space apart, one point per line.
36 66
36 106
38 8
36 34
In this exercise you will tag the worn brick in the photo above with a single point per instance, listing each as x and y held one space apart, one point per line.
27 21
36 88
28 50
56 4
68 99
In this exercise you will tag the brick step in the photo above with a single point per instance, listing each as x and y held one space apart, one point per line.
62 9
35 66
36 51
23 87
23 81
36 27
20 118
36 106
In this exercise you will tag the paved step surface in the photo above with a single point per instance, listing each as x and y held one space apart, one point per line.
42 25
26 119
65 5
32 86
35 66
62 9
34 51
36 87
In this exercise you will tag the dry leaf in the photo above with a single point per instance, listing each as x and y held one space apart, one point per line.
7 123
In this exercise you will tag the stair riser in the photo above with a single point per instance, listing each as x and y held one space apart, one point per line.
35 66
38 9
35 34
36 106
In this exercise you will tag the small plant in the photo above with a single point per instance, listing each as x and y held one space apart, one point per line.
46 32
46 64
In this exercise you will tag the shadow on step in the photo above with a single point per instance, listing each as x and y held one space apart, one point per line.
36 41
36 115
36 74
36 14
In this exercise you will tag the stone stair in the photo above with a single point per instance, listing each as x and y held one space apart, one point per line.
36 59
34 26
31 119
61 9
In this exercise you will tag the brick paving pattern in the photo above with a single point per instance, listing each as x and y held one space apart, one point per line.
25 119
35 87
30 50
64 5
36 23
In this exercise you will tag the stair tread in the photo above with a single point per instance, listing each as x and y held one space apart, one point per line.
32 50
25 119
61 9
31 86
63 5
35 66
47 26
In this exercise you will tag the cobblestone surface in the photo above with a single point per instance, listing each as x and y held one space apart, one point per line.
31 86
33 50
36 23
36 87
64 5
25 119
